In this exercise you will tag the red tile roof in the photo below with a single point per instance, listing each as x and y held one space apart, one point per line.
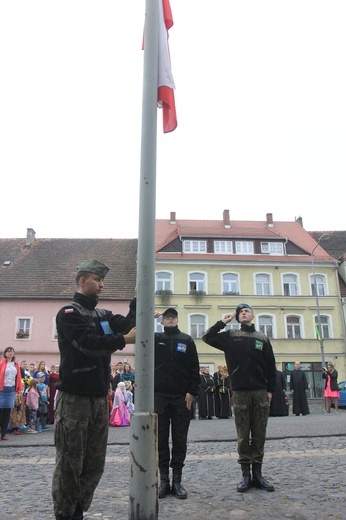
167 232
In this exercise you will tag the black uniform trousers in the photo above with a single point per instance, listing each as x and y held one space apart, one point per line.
172 412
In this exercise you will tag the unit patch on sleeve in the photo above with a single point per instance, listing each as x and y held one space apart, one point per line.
106 327
259 345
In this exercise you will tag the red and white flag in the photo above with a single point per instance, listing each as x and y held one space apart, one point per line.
166 86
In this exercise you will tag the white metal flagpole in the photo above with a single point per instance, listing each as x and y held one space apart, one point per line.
143 499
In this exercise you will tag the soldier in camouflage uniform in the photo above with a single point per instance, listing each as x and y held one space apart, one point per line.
251 366
87 337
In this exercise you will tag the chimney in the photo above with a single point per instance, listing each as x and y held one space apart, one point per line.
226 221
270 219
30 237
299 220
172 218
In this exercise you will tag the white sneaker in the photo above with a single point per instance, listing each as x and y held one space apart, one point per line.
29 430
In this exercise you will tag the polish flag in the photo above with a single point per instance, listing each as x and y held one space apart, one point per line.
166 86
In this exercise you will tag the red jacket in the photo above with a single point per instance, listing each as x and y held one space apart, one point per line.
19 385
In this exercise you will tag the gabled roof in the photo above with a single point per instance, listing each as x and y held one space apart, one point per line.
169 230
46 269
334 243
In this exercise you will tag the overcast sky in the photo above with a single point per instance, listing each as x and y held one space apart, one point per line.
261 106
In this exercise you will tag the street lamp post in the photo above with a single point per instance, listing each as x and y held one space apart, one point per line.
319 324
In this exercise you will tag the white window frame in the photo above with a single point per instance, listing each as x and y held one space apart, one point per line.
301 326
205 281
223 247
319 284
205 324
244 247
26 329
296 275
169 280
273 323
272 248
158 327
270 283
237 283
54 331
195 246
325 326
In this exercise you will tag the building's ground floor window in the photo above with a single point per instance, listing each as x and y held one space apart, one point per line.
313 372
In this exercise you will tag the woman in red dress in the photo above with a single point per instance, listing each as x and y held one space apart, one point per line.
331 389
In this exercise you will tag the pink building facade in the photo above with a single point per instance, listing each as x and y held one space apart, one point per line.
35 320
38 277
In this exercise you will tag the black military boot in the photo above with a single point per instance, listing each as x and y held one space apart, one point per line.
164 487
177 489
245 482
258 481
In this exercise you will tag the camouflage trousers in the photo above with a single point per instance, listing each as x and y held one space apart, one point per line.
251 412
81 434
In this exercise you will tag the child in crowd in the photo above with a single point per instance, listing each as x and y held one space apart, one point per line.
25 392
17 415
42 414
120 415
130 405
32 403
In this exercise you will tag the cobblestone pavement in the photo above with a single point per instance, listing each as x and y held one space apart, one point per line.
308 471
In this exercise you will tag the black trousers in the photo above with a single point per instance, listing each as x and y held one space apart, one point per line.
4 420
172 413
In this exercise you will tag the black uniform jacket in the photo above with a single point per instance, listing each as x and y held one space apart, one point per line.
176 363
87 336
249 356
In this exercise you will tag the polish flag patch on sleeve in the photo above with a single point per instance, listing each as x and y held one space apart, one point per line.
68 311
